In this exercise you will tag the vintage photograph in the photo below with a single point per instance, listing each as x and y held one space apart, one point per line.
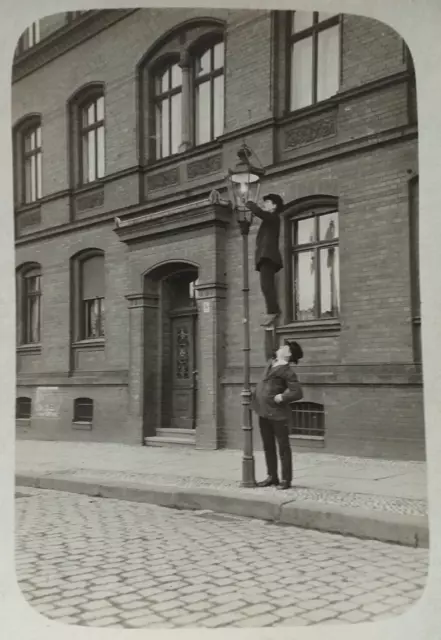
219 392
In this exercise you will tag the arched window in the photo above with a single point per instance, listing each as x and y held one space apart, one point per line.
23 408
182 90
83 410
168 109
312 255
28 160
307 420
88 146
29 304
209 93
314 57
89 295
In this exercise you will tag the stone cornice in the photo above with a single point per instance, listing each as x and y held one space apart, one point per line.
67 37
188 217
329 374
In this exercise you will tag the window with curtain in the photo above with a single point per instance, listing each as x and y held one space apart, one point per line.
168 110
314 40
92 298
209 94
314 268
29 297
92 140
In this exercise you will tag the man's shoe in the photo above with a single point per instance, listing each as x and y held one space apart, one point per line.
268 482
269 320
285 485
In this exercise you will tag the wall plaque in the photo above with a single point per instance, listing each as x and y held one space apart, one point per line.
163 180
47 402
89 201
309 132
29 219
204 167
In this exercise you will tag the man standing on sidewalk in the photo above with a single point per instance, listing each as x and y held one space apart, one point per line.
278 387
267 256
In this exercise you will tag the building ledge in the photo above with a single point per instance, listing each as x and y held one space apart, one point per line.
187 217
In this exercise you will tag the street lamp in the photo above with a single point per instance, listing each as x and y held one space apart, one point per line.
244 186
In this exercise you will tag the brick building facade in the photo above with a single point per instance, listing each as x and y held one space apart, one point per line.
129 290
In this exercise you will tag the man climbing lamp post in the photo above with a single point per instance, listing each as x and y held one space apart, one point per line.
244 186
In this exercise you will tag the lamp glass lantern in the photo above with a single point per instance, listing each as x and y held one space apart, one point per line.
244 183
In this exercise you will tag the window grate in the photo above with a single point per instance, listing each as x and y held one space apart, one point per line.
307 420
23 409
83 410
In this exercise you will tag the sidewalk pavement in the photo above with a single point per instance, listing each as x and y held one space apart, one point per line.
376 499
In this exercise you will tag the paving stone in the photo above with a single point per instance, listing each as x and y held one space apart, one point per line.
63 611
318 615
108 621
224 619
258 621
354 616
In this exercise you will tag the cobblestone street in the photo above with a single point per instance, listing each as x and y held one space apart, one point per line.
111 563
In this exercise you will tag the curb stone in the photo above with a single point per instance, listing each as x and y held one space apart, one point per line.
401 529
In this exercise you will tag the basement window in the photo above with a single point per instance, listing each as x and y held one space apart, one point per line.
83 413
23 408
307 421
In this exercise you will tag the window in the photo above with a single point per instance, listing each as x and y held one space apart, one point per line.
307 420
89 295
182 90
30 37
92 140
29 304
209 94
168 110
28 161
83 410
23 408
314 57
313 252
414 265
88 145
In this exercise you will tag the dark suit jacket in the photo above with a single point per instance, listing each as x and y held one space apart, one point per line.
267 240
280 379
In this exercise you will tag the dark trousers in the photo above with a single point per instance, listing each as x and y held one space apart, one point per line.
268 272
270 431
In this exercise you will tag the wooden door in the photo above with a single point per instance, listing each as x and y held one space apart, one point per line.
184 374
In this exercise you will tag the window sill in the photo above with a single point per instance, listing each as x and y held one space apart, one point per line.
29 348
90 186
23 423
311 327
194 151
28 206
307 441
82 426
93 344
310 110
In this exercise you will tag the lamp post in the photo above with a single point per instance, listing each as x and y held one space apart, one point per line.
244 186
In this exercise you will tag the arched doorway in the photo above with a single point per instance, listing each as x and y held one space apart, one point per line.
179 350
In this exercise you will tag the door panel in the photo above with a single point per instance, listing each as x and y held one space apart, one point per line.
184 376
